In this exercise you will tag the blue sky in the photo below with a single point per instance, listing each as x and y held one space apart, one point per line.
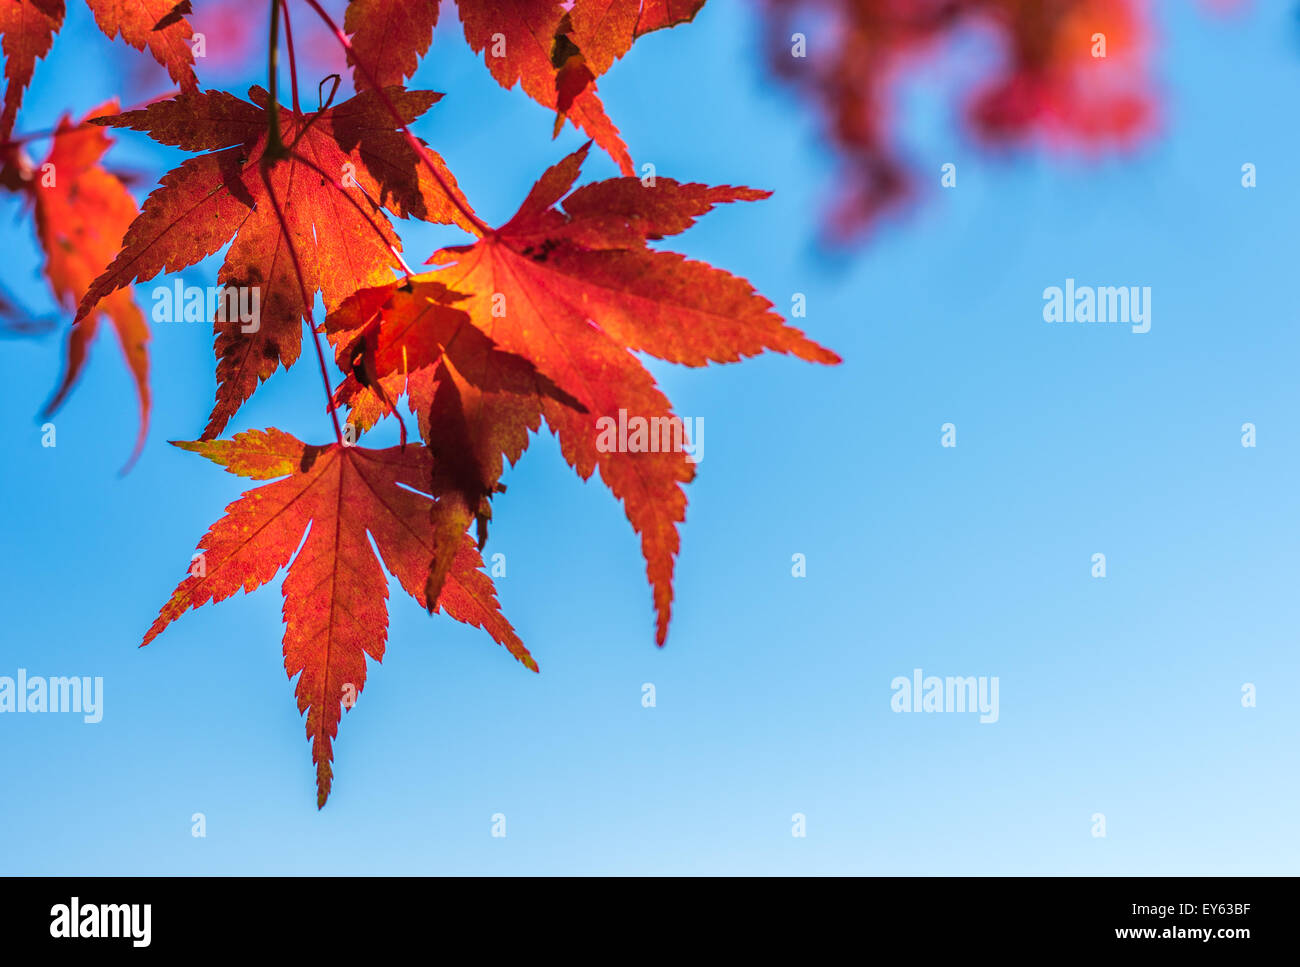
1119 696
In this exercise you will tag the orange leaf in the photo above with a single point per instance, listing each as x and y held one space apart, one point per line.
82 211
335 592
347 161
475 403
389 37
554 50
658 14
572 293
28 28
518 40
159 25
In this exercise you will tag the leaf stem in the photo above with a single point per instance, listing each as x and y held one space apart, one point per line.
293 63
275 149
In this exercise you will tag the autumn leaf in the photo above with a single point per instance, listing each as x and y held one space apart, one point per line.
1054 86
389 37
475 403
28 28
1046 82
575 292
347 162
603 30
541 319
658 14
555 51
555 54
158 25
335 592
82 211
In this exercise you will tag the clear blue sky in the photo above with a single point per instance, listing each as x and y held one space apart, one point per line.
1119 696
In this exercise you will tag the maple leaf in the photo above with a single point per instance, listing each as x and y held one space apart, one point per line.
158 25
28 28
475 403
575 292
389 37
335 592
603 30
658 14
554 50
347 161
81 212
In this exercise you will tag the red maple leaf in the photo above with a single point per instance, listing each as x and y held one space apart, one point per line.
81 216
573 292
475 403
553 50
388 37
158 25
28 28
542 318
81 211
312 224
335 592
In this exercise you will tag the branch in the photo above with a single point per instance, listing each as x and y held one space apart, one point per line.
275 149
293 63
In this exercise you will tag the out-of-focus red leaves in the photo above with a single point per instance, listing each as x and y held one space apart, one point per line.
234 40
1059 84
82 211
1053 85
